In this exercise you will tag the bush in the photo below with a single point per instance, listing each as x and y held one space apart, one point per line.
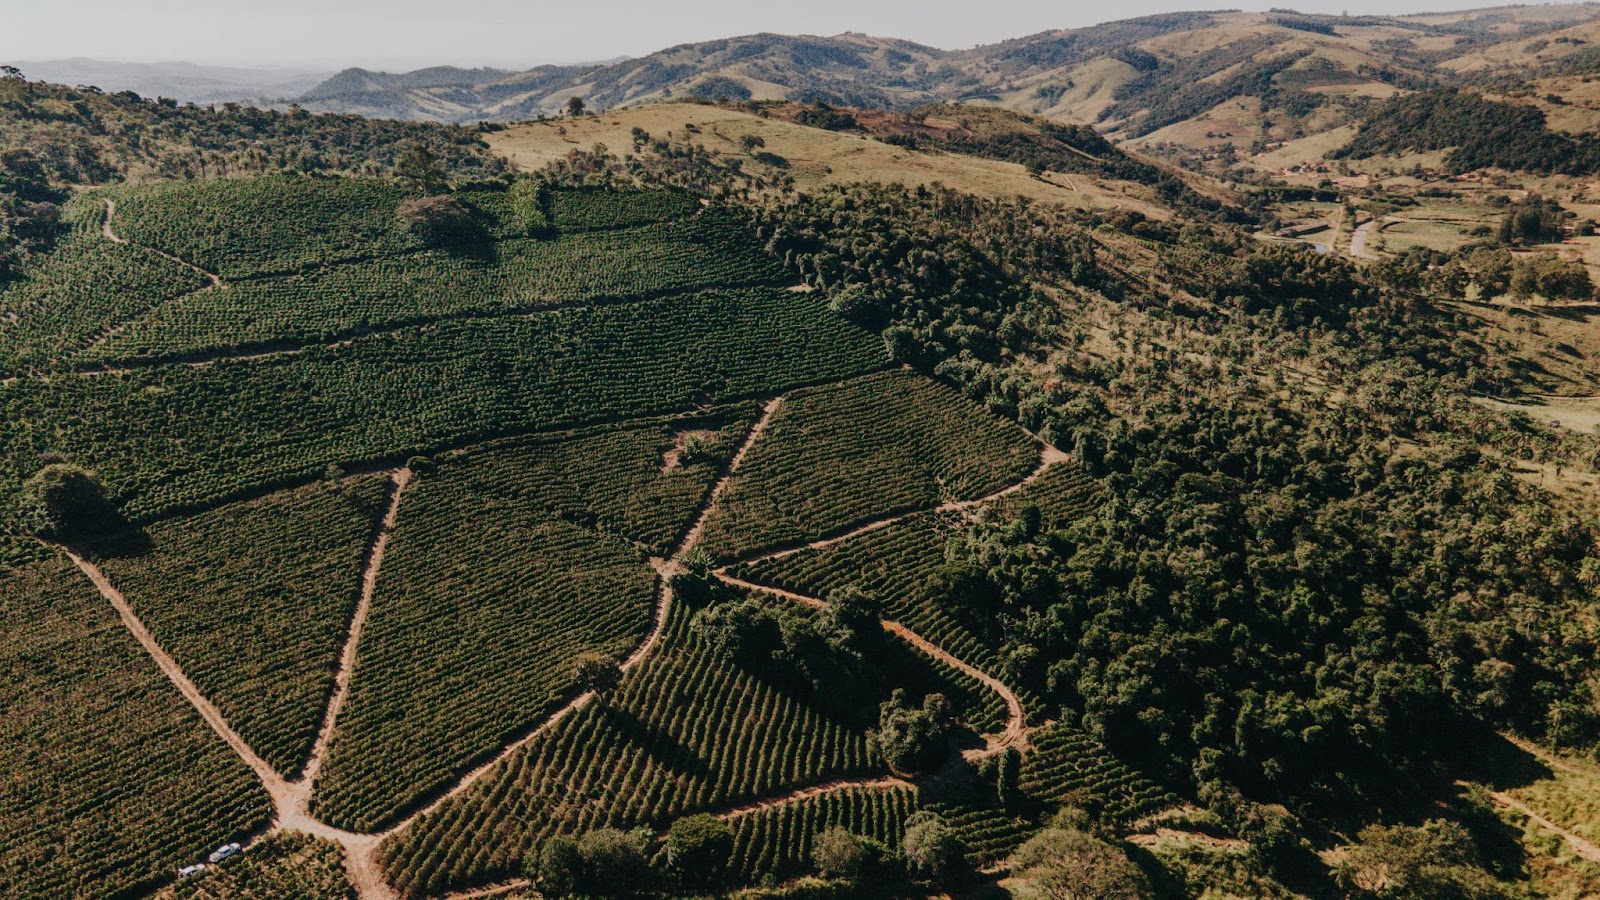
603 863
1064 861
743 632
933 852
821 115
1552 277
442 221
558 871
911 739
837 853
1436 859
617 863
698 848
67 501
1533 221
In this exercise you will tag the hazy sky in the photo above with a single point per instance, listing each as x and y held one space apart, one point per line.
522 33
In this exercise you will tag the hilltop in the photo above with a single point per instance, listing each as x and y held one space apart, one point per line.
1108 74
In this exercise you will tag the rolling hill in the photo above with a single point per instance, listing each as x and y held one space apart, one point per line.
1108 74
920 487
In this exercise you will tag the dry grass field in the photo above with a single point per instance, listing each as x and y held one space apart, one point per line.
1558 343
814 157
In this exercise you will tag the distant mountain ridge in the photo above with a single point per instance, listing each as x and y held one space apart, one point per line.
1135 76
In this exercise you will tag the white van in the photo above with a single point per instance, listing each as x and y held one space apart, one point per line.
224 852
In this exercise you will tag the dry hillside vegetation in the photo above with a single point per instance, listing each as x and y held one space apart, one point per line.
814 157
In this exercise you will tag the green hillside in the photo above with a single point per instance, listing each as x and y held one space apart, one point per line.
745 507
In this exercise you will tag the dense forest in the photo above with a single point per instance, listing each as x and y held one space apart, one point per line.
1279 605
1478 132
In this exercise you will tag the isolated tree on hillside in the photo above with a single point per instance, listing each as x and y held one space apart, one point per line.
575 106
441 220
599 674
67 501
912 739
837 853
698 848
933 851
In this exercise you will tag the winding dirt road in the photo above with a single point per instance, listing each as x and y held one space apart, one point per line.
1016 730
291 799
1048 456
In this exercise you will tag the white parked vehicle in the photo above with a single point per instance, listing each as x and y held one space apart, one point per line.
226 851
191 871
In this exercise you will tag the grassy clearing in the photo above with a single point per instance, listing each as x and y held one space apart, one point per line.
1551 347
814 157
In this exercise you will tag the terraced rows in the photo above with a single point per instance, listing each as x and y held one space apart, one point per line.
465 651
846 454
989 832
247 227
626 480
775 842
462 651
1063 493
1068 764
589 208
80 291
891 563
253 599
179 436
980 709
284 866
896 562
345 299
684 732
112 779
